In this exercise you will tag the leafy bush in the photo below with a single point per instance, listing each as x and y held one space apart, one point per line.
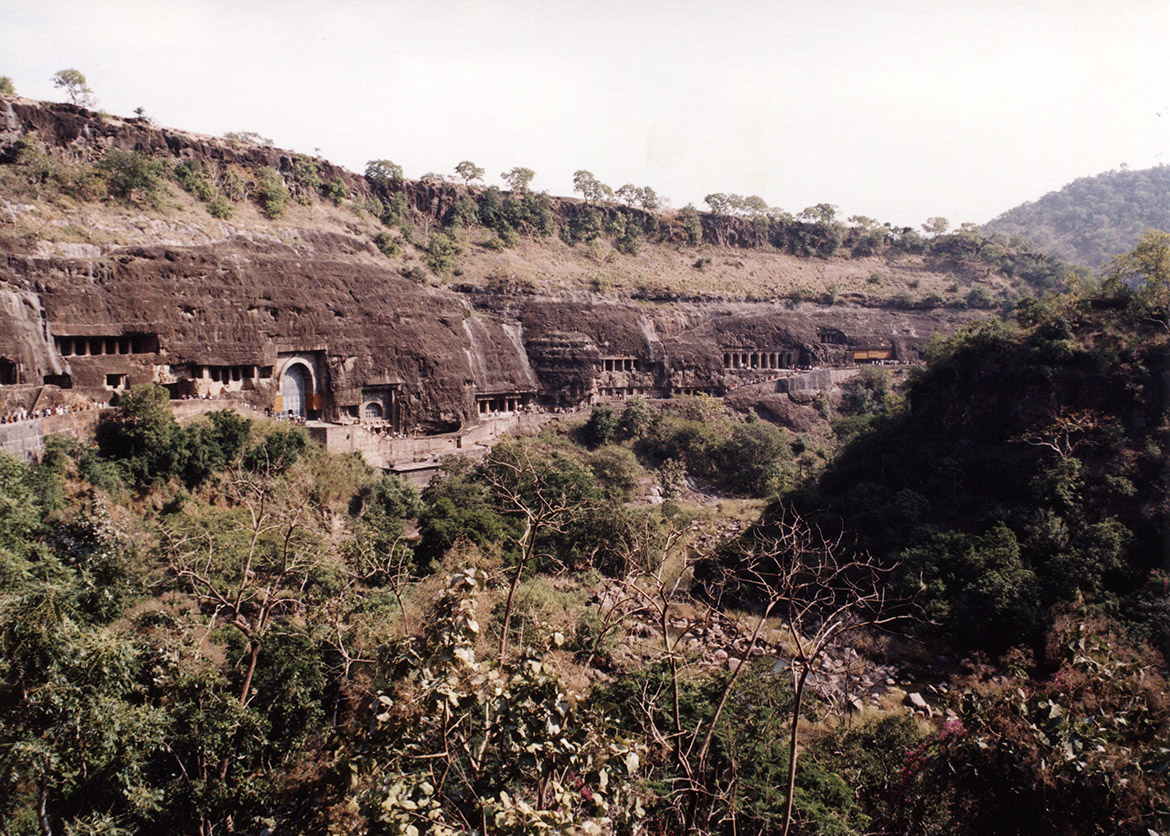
306 178
336 191
234 183
278 452
585 226
132 176
193 176
533 760
636 418
744 457
220 207
271 193
601 426
441 252
389 244
384 174
1080 752
630 239
617 471
212 446
691 224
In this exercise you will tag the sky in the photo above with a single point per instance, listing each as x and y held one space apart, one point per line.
897 110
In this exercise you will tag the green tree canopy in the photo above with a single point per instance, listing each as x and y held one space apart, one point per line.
469 171
1147 268
518 179
75 86
384 173
132 176
591 189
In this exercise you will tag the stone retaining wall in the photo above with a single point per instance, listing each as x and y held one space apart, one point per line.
26 439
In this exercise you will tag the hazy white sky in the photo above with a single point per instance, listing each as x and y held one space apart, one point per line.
896 110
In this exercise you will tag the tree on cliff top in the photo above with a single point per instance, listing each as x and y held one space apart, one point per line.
384 173
591 189
469 171
75 85
518 178
6 87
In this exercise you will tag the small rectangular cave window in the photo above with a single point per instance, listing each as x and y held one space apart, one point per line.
9 373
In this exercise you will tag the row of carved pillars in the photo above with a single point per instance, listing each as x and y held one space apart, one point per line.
757 359
83 346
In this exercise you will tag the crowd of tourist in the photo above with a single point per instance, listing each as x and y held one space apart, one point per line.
22 414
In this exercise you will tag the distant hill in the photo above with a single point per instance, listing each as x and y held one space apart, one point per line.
1092 218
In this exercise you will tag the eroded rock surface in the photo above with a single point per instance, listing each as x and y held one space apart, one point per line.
315 322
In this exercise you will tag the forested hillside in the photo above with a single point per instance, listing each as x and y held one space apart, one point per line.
1092 219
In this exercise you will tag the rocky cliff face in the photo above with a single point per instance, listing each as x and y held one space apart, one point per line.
314 320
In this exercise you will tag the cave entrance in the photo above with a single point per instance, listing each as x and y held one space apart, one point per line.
295 386
9 373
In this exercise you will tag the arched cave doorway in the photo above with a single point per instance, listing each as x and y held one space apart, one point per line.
295 386
372 411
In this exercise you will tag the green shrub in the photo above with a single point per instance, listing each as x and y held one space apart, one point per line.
211 446
278 452
586 226
306 178
271 193
751 461
616 470
131 176
600 427
464 213
220 207
630 239
335 191
441 252
980 297
388 244
637 418
394 209
691 224
234 182
192 176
